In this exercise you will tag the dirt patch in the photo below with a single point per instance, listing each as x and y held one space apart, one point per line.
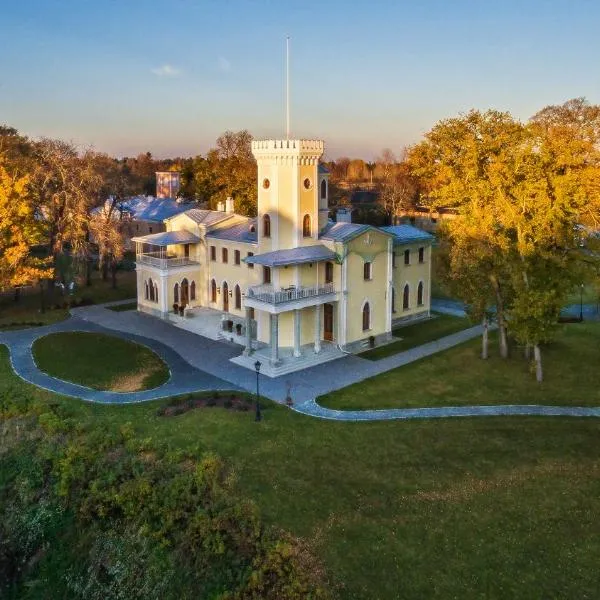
133 382
471 487
228 401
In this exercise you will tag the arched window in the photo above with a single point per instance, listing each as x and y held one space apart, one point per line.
151 290
267 226
393 300
176 293
213 291
155 292
238 297
420 294
306 226
193 291
366 317
323 189
185 291
146 296
405 298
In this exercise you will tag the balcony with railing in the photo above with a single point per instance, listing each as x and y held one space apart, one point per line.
298 296
164 261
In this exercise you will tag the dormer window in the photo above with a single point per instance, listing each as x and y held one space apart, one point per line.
267 226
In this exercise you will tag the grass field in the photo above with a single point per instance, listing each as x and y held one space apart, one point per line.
457 508
417 334
27 312
459 377
99 361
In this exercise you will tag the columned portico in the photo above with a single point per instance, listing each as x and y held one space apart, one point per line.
297 332
317 329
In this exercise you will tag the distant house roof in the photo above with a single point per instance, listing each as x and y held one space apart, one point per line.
142 208
404 234
342 232
168 238
207 217
292 256
240 232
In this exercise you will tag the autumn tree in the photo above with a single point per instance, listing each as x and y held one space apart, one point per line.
19 232
64 186
525 188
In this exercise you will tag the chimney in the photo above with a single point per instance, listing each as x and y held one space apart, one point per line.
229 205
221 206
343 216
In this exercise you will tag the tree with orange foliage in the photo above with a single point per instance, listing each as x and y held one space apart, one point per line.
19 231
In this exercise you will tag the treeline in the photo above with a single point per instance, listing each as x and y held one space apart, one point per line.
527 202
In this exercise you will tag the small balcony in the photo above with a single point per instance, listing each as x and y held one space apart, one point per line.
266 297
163 261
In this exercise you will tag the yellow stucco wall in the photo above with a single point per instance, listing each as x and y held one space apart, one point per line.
361 291
411 274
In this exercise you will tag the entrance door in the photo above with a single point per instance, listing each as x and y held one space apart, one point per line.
328 322
225 297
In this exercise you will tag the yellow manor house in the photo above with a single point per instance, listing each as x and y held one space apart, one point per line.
292 287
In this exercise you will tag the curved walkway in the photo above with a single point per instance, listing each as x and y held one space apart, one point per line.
184 378
311 408
183 350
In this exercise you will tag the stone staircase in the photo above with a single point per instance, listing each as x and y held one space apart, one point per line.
288 362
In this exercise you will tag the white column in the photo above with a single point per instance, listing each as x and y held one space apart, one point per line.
274 340
248 348
343 313
317 328
390 279
163 300
297 332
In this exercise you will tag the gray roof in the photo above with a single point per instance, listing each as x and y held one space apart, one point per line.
323 168
142 208
342 232
240 232
168 238
207 217
293 256
404 234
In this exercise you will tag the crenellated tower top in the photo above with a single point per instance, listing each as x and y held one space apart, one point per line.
276 151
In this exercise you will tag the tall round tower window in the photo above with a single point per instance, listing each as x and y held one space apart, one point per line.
266 183
307 183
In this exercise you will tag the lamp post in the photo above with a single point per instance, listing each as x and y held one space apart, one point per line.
581 302
258 416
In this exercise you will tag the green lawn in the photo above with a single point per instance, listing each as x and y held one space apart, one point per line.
418 333
99 361
27 311
457 508
459 377
123 307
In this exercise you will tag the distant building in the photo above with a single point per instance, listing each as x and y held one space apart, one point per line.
167 184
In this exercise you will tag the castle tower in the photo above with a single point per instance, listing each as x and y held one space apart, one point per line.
289 192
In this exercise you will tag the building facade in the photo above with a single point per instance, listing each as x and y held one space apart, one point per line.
288 285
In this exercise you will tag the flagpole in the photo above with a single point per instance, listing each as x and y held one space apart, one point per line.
287 87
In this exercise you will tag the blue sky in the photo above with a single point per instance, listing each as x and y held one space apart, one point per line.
127 76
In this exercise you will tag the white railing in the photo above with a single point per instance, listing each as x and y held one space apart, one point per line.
267 293
154 259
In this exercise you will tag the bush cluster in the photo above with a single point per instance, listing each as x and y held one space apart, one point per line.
91 513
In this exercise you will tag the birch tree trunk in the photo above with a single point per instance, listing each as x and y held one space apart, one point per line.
484 339
537 354
500 317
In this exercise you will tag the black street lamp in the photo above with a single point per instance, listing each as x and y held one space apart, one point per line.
258 416
581 302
